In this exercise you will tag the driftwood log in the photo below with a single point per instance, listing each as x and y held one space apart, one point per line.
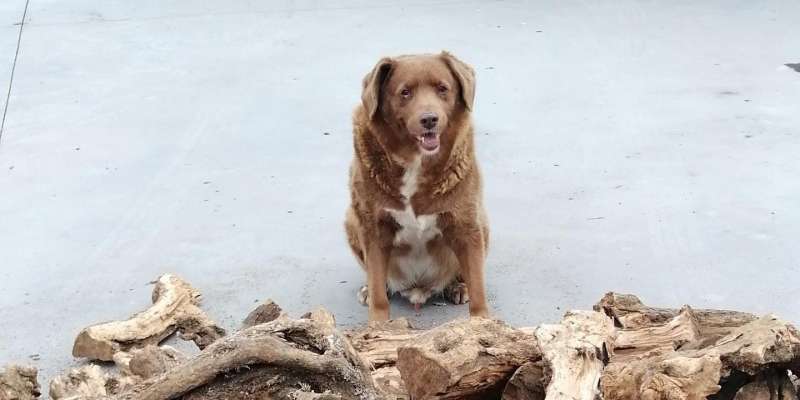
149 361
575 352
377 346
687 354
623 350
304 358
175 307
628 312
464 359
283 358
18 383
87 382
266 312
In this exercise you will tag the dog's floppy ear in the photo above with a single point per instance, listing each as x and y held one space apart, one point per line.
373 82
465 76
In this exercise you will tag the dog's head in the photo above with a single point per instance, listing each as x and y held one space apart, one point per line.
418 96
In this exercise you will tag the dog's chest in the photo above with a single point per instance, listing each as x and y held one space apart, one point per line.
415 230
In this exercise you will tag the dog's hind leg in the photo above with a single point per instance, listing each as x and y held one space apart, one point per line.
452 284
351 228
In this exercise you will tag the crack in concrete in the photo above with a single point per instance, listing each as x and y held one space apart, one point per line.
13 69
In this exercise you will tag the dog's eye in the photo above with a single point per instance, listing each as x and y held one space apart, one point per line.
442 89
405 93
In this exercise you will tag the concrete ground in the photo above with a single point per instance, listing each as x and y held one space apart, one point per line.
642 147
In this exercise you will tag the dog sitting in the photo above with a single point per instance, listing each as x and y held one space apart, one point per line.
416 222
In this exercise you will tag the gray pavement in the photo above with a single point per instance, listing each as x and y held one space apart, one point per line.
640 147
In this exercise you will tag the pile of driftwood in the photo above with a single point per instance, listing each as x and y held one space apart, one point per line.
621 350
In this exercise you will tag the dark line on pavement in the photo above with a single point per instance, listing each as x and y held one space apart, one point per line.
13 68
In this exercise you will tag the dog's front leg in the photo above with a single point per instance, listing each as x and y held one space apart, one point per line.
377 266
470 251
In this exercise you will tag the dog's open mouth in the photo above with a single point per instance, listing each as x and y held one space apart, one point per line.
429 141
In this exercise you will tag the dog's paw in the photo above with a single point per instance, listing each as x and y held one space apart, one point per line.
457 293
363 295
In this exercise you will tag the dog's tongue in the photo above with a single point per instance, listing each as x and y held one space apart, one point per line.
430 141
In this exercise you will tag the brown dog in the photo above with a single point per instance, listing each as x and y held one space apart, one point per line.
416 221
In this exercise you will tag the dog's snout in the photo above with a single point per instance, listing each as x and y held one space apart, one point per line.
428 120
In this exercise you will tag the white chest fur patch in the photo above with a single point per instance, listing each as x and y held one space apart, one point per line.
415 231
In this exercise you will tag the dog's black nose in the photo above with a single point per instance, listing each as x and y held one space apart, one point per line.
428 120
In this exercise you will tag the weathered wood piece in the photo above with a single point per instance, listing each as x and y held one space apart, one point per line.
304 358
87 382
762 345
175 307
629 312
650 341
575 352
266 312
464 359
675 361
673 376
19 383
377 346
148 361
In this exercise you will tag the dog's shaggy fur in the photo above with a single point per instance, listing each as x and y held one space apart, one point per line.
416 222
